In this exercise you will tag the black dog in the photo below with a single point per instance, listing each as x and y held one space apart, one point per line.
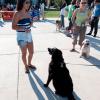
59 74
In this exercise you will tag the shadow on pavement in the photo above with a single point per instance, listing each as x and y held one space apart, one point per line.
49 93
48 20
35 88
95 43
94 61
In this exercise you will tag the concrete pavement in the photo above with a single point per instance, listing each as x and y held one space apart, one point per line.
16 85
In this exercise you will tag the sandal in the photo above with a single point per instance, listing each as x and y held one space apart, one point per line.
72 50
26 69
32 66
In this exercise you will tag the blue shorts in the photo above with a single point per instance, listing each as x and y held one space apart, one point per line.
22 43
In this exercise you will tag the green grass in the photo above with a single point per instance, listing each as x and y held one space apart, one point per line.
52 13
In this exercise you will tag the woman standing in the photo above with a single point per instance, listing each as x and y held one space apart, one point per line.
80 16
22 23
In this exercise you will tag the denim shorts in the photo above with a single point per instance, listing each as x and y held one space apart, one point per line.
22 43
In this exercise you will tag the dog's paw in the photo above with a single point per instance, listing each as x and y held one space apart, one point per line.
45 85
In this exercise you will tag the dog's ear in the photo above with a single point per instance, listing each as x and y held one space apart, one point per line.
50 51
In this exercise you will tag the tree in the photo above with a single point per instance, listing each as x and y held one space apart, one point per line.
57 3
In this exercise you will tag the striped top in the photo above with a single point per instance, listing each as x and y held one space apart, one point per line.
25 23
22 35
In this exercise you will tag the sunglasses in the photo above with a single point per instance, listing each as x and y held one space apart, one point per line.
27 2
83 2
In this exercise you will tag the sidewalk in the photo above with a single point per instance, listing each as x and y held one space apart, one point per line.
16 85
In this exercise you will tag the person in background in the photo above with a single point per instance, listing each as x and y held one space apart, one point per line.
90 3
37 12
62 13
80 17
4 7
70 8
95 18
22 23
77 3
42 6
1 17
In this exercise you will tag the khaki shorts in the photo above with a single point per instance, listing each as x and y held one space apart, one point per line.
78 31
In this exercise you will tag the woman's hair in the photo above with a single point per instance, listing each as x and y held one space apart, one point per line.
20 4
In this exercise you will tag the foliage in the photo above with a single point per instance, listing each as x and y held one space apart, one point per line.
58 3
51 13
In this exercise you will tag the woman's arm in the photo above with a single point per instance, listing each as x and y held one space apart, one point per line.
15 20
74 15
31 22
88 19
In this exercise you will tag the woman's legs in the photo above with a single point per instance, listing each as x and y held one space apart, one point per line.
76 30
82 35
24 52
30 48
74 42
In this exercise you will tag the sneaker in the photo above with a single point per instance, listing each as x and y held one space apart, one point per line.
88 34
72 50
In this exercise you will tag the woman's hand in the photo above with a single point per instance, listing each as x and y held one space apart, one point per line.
27 30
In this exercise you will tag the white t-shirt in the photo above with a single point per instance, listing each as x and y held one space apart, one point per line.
62 11
42 8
